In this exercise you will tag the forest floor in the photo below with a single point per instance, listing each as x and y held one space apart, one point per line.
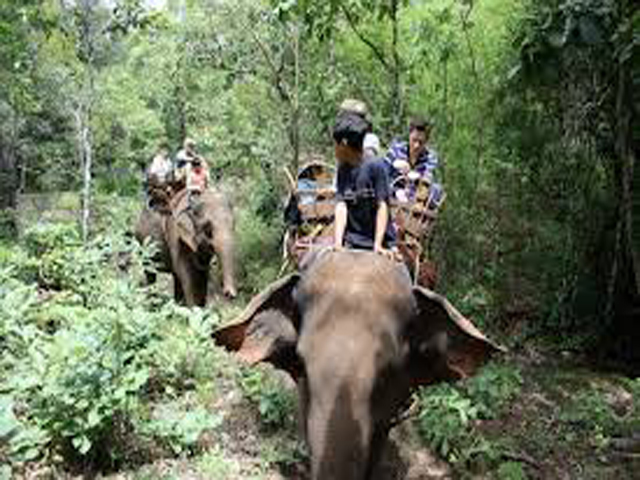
549 432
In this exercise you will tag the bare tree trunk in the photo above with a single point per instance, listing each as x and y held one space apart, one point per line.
295 120
8 181
625 153
180 96
480 124
84 108
7 177
396 93
445 110
87 149
624 254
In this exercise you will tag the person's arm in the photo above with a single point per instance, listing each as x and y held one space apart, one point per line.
340 224
382 192
382 221
340 218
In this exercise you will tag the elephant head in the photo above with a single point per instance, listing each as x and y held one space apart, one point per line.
357 337
200 228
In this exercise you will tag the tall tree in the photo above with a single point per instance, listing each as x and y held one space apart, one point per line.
16 18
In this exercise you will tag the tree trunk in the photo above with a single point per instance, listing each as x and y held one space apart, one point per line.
480 123
8 186
295 120
8 182
87 149
623 289
396 93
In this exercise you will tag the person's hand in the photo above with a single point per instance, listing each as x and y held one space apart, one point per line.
380 250
413 175
402 166
336 248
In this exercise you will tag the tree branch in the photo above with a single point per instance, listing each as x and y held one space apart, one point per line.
464 18
280 86
374 48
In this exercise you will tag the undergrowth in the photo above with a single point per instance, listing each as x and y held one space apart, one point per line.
450 413
93 371
497 424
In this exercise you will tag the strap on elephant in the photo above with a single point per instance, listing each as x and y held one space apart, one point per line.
186 219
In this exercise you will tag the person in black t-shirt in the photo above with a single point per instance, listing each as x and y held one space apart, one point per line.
363 192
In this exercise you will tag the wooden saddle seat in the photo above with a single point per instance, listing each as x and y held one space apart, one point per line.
310 217
414 210
311 207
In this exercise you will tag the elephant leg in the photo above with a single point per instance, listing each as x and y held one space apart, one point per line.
378 442
200 287
303 407
189 290
178 292
184 274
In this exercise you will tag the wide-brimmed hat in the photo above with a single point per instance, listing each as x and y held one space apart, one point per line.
355 106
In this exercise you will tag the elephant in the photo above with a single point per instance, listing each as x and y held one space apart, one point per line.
358 337
188 233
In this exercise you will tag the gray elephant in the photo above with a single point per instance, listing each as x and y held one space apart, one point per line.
358 337
188 233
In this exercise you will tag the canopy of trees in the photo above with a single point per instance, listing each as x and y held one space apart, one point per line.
535 105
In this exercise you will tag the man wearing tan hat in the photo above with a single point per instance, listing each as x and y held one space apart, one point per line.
371 143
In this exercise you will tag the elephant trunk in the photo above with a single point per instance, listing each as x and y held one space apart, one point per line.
339 438
340 425
225 251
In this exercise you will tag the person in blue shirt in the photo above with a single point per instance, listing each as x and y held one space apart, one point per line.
413 158
363 191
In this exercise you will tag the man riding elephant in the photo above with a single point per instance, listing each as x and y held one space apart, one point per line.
158 177
371 142
362 208
413 159
193 226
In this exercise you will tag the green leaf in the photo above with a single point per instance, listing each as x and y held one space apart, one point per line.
8 422
82 444
5 472
94 418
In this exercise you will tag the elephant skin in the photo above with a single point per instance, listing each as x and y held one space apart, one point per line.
187 243
358 337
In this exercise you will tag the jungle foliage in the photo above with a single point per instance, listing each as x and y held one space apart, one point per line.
535 104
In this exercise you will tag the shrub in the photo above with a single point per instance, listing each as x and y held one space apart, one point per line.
511 471
590 413
259 232
444 423
78 364
448 413
275 403
179 426
47 237
493 388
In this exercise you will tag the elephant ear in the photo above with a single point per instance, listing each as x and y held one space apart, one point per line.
444 345
267 330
